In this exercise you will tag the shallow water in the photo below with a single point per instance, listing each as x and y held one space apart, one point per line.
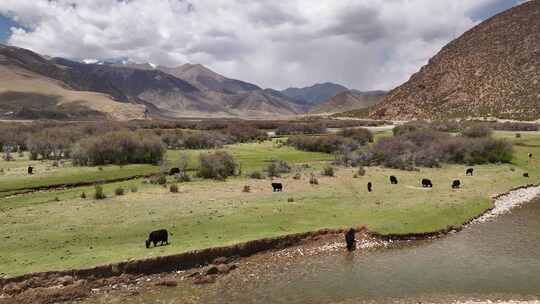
494 260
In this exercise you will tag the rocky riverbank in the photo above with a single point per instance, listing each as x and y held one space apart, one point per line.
506 202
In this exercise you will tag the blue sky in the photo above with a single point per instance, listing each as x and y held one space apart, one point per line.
5 25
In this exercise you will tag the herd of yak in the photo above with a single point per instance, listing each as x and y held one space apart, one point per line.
162 237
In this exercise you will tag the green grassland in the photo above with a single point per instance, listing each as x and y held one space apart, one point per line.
54 230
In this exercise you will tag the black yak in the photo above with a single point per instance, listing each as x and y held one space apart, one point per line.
469 172
350 239
369 187
30 170
456 184
426 183
174 171
393 180
277 187
526 175
159 236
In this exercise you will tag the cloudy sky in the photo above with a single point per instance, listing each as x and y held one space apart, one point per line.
363 44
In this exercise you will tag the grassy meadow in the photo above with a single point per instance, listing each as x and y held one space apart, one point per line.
53 230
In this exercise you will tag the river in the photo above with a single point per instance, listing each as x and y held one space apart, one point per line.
495 260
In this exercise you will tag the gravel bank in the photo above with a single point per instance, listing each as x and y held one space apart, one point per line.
507 202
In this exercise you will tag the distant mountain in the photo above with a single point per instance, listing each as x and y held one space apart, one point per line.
33 87
206 79
493 70
105 87
315 94
348 101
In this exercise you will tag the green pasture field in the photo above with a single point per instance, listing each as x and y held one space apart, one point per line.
54 230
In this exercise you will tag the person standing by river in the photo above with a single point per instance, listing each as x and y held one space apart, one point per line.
350 239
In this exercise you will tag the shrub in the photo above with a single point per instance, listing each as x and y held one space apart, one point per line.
161 180
350 158
99 194
301 128
83 195
246 189
361 136
218 165
290 200
245 133
183 177
477 131
134 188
326 144
361 171
278 167
297 176
429 149
256 175
518 135
173 188
119 191
121 147
410 127
328 171
313 180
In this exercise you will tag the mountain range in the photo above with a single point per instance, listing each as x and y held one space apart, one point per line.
36 86
492 70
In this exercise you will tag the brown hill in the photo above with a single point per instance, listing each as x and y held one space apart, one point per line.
348 101
205 79
26 94
493 70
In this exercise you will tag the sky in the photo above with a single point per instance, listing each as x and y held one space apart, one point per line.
362 44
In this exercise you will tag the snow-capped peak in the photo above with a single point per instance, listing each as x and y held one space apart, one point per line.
90 61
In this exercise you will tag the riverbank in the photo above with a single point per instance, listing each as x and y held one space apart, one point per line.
207 266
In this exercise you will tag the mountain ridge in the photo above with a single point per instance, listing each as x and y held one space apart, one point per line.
492 70
203 93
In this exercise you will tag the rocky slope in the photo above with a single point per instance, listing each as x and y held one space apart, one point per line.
348 101
493 70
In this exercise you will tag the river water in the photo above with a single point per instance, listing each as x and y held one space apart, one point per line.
496 260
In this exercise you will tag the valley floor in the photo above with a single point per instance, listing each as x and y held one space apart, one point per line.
55 230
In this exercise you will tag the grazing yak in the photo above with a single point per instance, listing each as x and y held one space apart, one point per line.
30 170
277 187
159 236
369 187
426 183
393 180
350 239
530 155
526 175
174 171
469 172
456 184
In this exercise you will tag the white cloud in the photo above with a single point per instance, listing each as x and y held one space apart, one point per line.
364 44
